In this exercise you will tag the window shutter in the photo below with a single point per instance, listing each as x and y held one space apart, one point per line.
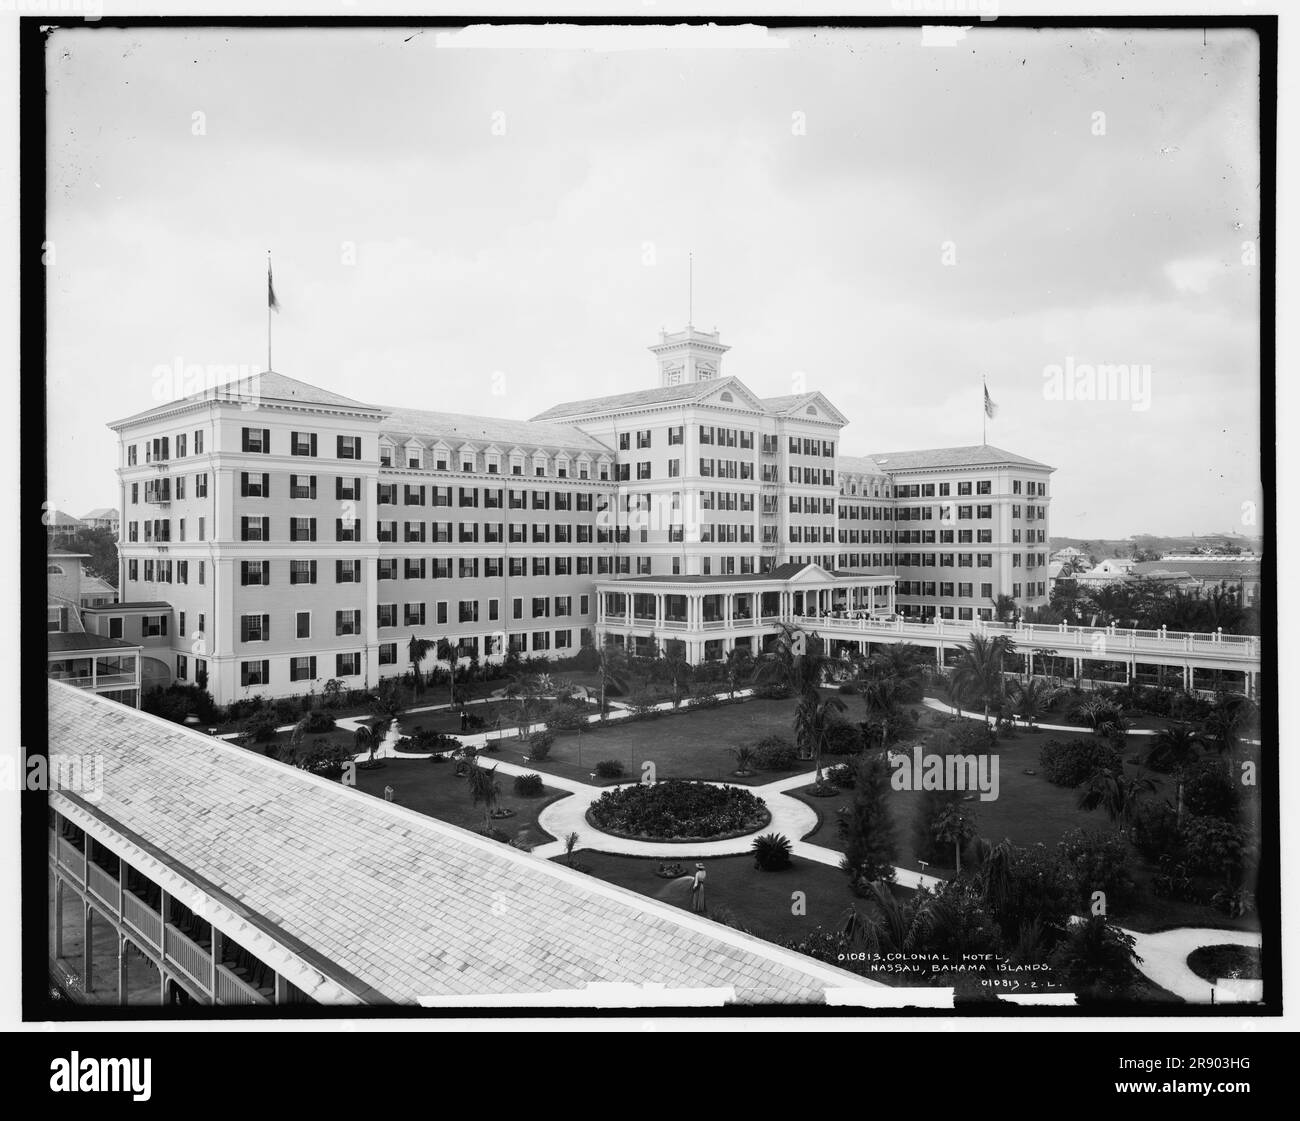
243 484
266 572
243 673
266 485
266 628
266 441
312 663
311 525
313 486
266 672
243 572
243 631
338 529
313 571
266 529
313 443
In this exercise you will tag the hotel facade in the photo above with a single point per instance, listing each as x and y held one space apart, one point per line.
293 535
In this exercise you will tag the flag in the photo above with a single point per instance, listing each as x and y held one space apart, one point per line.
990 409
271 301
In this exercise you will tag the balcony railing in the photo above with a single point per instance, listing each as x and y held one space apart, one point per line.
71 858
233 990
142 918
188 956
103 886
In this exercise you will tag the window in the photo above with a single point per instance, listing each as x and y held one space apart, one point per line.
413 614
675 435
347 572
302 572
349 447
388 653
255 673
302 529
200 486
257 440
254 572
254 485
347 487
302 669
255 628
302 443
347 622
387 615
254 529
303 624
182 662
347 665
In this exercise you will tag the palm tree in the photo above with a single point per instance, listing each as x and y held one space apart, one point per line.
978 672
881 696
483 787
791 662
417 650
1004 608
1115 793
367 739
1030 699
612 669
1227 721
1174 747
673 667
812 723
447 653
954 828
903 662
739 665
1095 958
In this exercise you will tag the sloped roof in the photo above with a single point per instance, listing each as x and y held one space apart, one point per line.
100 512
859 465
91 584
972 455
660 395
265 386
85 640
404 423
1211 568
59 518
407 906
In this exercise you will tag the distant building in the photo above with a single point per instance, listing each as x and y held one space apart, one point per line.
103 517
1112 570
60 527
1239 574
76 654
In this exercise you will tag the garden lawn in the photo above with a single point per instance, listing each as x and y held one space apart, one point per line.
736 892
433 789
1029 810
686 744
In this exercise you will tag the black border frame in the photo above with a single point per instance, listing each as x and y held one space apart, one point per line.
33 409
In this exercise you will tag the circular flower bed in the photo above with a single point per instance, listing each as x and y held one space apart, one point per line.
678 811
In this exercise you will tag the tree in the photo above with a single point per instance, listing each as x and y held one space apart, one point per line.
612 669
1095 960
101 548
386 701
446 651
978 672
792 662
1115 793
812 722
1173 748
483 787
954 827
904 664
1004 608
673 668
881 697
367 739
1031 698
417 650
867 828
738 666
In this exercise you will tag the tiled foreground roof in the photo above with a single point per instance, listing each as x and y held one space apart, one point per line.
405 904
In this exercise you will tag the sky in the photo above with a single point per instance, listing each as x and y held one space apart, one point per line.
494 225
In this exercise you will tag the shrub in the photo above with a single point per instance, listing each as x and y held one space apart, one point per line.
609 768
744 756
771 852
867 829
774 753
539 745
565 716
1215 847
260 728
1074 761
847 689
843 738
1155 829
841 775
1209 791
642 705
175 702
287 711
678 810
318 721
528 786
1100 863
704 700
925 825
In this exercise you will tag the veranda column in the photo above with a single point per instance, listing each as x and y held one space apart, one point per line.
659 610
121 969
58 916
87 946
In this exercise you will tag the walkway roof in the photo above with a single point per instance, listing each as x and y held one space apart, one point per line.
409 907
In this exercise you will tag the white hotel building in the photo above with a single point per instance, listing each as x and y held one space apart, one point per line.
295 535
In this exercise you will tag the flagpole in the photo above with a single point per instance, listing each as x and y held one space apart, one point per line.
268 311
984 409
